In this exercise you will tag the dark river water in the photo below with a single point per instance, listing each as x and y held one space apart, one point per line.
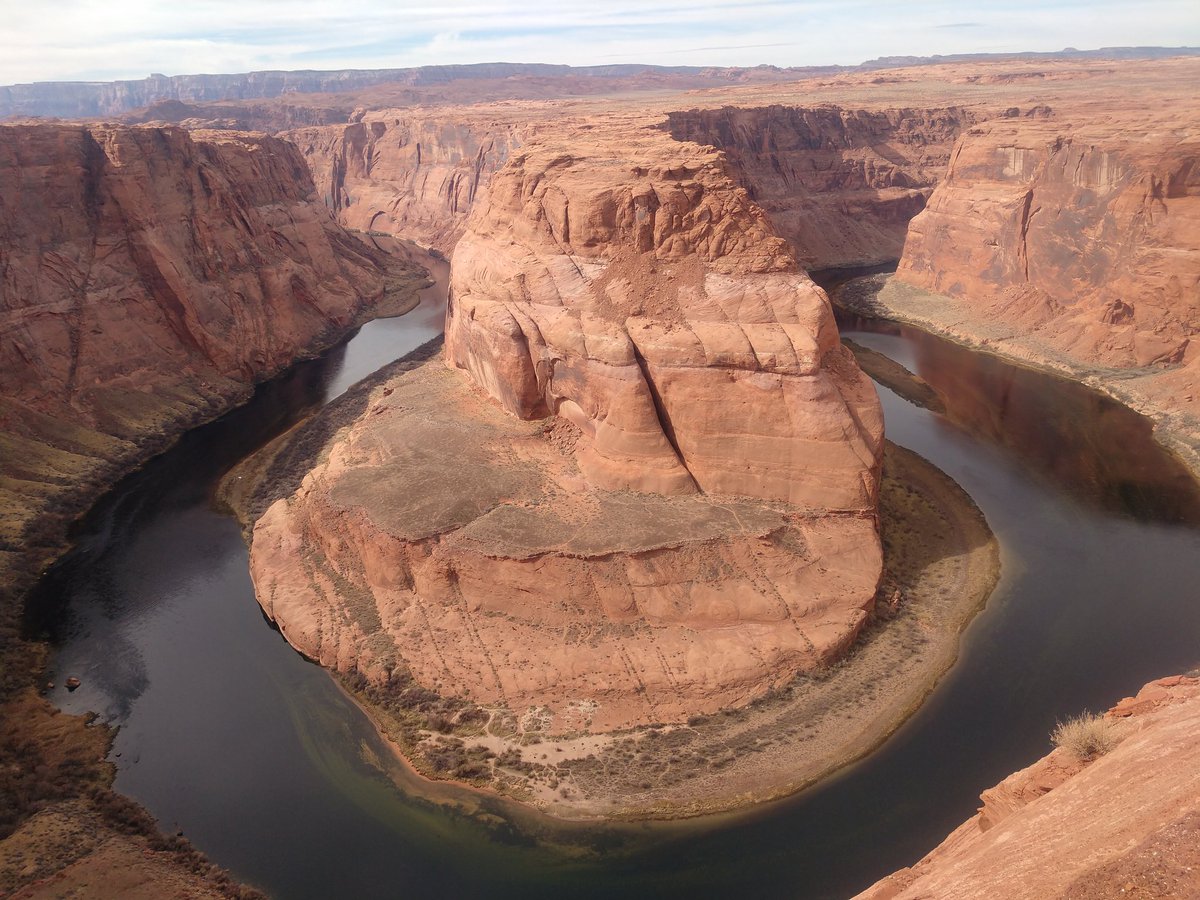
227 734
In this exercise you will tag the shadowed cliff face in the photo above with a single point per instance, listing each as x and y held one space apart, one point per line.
415 176
840 185
148 278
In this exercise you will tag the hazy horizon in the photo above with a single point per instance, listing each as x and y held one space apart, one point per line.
87 40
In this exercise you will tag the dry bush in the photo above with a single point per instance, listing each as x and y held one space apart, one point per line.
1086 736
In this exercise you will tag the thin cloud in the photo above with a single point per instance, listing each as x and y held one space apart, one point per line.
729 47
107 39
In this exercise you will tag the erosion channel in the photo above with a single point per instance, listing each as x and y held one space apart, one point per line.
255 754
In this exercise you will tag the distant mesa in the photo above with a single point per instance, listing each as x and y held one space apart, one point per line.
77 99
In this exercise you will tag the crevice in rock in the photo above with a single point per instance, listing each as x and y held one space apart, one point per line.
1022 247
660 409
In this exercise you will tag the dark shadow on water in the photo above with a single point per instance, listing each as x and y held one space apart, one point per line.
1078 440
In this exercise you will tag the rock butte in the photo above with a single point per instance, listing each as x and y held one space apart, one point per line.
635 274
1126 824
688 520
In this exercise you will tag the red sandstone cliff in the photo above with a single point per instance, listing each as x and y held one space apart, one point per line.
839 184
148 277
410 174
1089 236
1127 824
624 282
1073 240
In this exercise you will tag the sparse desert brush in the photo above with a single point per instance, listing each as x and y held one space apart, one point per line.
1086 736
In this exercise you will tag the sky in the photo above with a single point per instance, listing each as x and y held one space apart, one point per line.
113 39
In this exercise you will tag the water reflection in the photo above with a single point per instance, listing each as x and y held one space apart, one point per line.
1080 441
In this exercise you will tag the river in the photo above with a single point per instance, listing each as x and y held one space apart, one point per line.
228 735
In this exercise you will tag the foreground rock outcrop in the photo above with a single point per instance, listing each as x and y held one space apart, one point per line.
666 507
1126 824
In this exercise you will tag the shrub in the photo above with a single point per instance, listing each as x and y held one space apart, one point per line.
1086 736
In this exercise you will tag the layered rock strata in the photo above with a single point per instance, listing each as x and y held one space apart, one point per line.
1124 824
1072 241
634 290
444 538
839 184
659 499
148 278
1088 236
411 174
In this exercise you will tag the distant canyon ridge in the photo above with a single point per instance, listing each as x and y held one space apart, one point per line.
86 99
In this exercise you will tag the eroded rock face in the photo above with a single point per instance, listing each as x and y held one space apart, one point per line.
657 500
839 184
410 174
444 537
1085 235
1125 823
632 288
148 277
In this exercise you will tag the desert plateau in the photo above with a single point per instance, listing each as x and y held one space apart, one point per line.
478 479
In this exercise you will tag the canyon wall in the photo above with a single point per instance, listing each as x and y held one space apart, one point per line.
839 184
1073 241
1126 824
1088 236
148 278
412 175
658 498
